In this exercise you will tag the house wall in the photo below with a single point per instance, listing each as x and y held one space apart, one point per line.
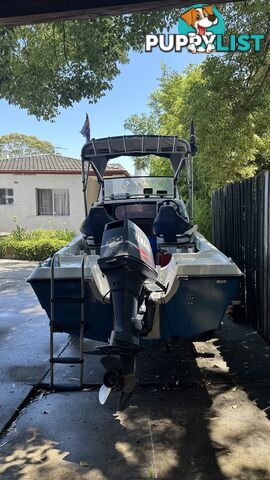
24 207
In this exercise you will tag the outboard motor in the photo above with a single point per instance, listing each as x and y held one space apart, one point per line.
126 259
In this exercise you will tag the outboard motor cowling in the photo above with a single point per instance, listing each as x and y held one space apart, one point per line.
126 259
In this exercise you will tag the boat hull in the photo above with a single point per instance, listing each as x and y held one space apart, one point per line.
198 306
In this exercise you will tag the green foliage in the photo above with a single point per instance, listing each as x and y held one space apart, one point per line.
143 124
19 233
37 244
41 234
18 144
29 249
60 234
47 66
229 98
202 215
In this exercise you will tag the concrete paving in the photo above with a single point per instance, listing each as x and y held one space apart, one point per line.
203 430
24 338
201 412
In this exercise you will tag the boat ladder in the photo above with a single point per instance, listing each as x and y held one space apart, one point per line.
58 300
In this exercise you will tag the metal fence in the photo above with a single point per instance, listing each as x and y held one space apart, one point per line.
241 229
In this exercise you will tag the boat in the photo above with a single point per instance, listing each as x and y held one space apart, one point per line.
140 273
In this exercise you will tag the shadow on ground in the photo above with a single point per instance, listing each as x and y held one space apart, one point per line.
163 434
247 357
202 428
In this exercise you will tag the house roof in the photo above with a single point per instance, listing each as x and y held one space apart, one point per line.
52 163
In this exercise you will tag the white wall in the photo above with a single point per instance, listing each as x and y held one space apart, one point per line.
25 207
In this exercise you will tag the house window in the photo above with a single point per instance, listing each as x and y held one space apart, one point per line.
6 196
52 201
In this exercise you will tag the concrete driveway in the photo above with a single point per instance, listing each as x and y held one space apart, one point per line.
24 338
201 411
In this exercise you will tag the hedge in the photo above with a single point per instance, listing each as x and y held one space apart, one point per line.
29 249
21 233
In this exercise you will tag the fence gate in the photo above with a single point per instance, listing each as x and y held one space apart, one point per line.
241 229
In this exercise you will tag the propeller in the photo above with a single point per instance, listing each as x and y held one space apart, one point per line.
111 378
119 376
103 394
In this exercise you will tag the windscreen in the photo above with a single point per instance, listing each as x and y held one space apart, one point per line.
138 187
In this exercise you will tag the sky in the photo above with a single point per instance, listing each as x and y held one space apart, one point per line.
129 95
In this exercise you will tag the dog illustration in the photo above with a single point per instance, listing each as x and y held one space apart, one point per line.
200 18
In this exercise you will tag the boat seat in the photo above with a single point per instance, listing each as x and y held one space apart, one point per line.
169 224
94 224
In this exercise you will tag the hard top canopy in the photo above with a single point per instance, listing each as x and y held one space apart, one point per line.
99 152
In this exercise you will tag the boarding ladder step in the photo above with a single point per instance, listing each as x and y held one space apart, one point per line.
68 300
67 360
62 300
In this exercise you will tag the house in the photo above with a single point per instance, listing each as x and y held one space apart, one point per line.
45 191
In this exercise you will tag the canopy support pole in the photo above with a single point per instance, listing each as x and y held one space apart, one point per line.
84 183
189 167
176 175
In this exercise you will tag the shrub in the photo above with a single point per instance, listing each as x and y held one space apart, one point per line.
29 249
20 233
37 244
202 215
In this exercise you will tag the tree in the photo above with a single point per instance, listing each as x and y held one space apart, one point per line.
229 98
233 144
45 66
18 144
